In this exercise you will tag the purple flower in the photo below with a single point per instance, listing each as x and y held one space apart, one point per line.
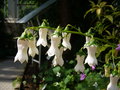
118 48
82 76
93 67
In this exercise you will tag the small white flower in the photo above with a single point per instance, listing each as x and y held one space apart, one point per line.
113 83
21 55
42 37
58 74
54 50
91 58
32 47
58 60
79 66
95 84
66 41
56 84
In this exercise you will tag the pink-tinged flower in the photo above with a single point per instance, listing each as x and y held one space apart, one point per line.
80 66
82 76
93 67
54 50
66 41
58 60
91 58
118 48
42 37
113 83
21 55
32 47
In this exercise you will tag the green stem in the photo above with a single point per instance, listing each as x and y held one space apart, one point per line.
74 32
114 66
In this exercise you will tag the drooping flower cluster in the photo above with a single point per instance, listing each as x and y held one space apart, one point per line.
28 46
54 50
60 41
23 46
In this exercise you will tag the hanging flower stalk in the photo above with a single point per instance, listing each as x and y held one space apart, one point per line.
79 66
113 83
32 47
91 50
43 35
58 60
55 42
21 55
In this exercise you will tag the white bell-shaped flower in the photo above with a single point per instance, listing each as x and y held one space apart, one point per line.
91 58
21 55
42 37
79 66
32 47
66 41
113 83
54 50
58 60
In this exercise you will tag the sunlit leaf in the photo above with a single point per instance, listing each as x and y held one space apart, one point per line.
90 10
110 18
108 56
92 3
102 4
108 32
101 49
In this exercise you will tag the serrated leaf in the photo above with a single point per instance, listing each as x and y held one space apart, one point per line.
108 32
110 7
90 10
108 56
68 79
110 18
102 4
101 49
92 3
